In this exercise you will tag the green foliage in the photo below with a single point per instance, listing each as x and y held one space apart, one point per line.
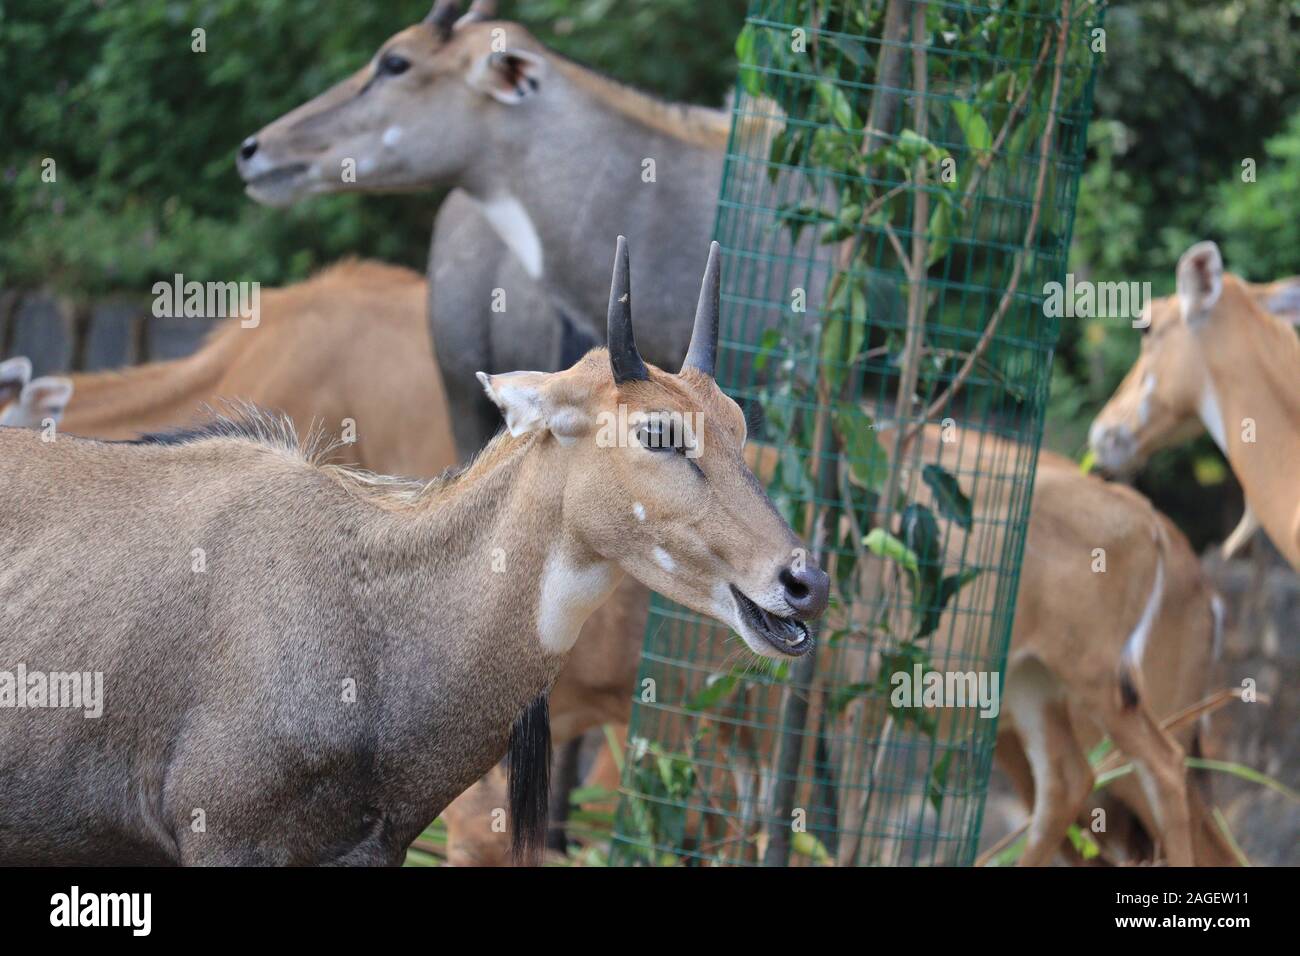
143 130
1260 221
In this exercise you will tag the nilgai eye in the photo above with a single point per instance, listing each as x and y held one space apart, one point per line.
653 436
657 435
393 64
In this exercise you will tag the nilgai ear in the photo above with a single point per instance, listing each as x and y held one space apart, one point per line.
14 374
509 76
1200 281
534 401
47 397
1281 298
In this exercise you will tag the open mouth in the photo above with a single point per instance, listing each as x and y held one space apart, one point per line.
788 635
274 183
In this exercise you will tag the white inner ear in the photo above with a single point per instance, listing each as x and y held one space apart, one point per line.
510 77
527 407
1195 301
519 398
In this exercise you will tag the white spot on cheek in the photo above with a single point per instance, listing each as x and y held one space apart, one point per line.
664 559
569 594
638 509
392 136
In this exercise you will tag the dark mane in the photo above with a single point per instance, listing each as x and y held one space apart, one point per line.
248 422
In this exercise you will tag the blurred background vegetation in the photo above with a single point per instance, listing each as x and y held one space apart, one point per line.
144 131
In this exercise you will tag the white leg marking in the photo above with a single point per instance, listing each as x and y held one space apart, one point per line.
1136 644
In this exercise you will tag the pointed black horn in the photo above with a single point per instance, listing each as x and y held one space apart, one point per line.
443 16
624 359
702 354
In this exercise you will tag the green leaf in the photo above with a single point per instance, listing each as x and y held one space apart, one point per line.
881 542
867 459
1084 845
846 695
591 794
717 687
767 344
807 845
940 233
973 127
920 532
747 56
938 781
836 104
952 501
954 583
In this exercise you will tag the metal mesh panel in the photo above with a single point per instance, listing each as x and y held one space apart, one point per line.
899 186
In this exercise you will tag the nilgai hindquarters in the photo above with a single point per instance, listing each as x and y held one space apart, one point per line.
304 664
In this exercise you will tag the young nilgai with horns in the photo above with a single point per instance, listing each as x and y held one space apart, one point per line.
305 664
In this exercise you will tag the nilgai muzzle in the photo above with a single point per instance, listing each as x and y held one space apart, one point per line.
304 664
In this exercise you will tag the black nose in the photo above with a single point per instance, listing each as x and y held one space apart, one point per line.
807 589
247 148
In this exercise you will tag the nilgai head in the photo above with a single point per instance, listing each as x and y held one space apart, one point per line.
1168 395
657 481
432 102
42 399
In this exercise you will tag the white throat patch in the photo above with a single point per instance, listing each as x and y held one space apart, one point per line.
570 593
1212 416
508 217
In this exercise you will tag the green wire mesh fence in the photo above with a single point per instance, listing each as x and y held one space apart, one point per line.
899 187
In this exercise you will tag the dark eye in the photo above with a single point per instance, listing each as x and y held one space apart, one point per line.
656 435
392 64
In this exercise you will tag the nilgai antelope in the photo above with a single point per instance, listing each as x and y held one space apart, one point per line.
547 161
346 351
350 343
1089 652
1213 357
313 661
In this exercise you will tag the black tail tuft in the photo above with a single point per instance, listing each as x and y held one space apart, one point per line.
530 781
